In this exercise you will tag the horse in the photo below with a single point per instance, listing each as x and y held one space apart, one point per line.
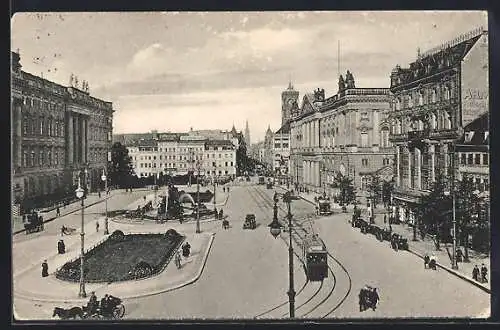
225 224
71 313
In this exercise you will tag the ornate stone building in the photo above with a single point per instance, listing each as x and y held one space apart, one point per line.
57 131
347 133
441 92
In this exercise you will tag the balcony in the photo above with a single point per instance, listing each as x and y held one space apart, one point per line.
418 135
401 137
450 133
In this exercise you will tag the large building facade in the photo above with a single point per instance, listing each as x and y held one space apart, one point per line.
56 132
441 92
347 133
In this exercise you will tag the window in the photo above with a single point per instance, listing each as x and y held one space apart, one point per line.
231 163
226 164
364 162
49 157
220 156
470 159
25 125
41 126
56 158
485 159
25 158
154 157
213 164
477 159
365 181
384 138
364 139
463 159
285 145
32 159
433 96
40 158
421 98
277 146
398 104
446 93
410 101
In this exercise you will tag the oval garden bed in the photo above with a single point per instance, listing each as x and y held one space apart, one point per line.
124 257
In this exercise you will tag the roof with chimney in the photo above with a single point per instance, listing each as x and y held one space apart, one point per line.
476 133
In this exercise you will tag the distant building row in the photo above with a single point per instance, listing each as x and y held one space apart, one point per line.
213 152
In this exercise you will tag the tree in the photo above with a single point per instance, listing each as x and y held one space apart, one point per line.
375 190
387 191
241 156
466 205
347 190
120 168
433 212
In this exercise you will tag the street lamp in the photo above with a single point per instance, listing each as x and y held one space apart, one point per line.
198 198
104 178
275 230
80 193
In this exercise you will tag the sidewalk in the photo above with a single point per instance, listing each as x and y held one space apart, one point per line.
422 247
92 199
31 286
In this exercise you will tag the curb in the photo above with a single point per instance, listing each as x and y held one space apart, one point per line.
451 271
63 215
175 287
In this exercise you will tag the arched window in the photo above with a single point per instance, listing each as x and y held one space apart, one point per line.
56 157
25 125
410 101
398 104
25 158
447 120
32 158
40 132
421 98
433 96
432 121
40 158
384 137
49 157
364 139
446 92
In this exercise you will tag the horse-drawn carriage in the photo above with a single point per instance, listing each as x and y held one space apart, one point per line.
324 207
112 310
398 242
32 222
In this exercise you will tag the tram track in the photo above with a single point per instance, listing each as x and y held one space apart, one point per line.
300 225
265 199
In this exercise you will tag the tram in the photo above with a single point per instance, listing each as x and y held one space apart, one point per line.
315 259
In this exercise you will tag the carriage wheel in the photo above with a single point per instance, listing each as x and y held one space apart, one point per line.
118 311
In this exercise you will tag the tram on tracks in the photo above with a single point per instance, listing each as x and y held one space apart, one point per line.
315 258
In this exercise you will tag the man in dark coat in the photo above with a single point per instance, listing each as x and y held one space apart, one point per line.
484 273
475 273
374 298
45 269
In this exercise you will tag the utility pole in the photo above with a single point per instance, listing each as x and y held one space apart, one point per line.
453 197
291 290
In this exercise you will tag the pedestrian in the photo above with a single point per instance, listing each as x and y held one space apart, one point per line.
45 269
475 273
144 198
58 212
375 298
63 230
426 261
99 192
97 226
385 218
223 189
484 273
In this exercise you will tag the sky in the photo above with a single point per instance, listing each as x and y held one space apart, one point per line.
172 71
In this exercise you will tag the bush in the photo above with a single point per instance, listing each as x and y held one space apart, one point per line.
117 235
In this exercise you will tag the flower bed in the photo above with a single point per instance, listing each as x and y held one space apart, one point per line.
124 257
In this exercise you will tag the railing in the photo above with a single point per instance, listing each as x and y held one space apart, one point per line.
418 135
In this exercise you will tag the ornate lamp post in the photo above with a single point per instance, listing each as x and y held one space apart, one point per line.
275 230
80 193
104 178
198 199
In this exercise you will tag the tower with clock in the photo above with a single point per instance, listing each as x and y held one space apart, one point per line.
289 98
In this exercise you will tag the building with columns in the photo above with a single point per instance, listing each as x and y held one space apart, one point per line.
347 133
57 131
440 93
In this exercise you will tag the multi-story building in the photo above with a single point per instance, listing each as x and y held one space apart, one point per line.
268 150
219 158
180 154
347 133
281 151
56 132
473 153
441 92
